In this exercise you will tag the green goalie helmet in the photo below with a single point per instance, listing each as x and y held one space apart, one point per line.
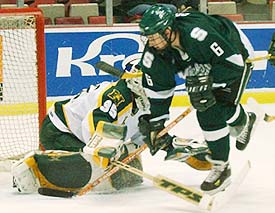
156 19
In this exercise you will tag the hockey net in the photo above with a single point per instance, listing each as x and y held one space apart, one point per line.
22 81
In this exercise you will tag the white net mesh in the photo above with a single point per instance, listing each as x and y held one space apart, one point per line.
19 123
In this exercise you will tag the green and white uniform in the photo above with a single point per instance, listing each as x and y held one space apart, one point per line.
211 46
71 123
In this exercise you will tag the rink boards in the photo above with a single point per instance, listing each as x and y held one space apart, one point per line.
71 53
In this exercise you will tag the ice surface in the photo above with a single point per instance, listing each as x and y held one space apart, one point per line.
256 194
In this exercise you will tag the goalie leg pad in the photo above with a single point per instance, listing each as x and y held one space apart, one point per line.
60 170
64 170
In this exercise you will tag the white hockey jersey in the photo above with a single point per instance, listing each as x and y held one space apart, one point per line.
110 102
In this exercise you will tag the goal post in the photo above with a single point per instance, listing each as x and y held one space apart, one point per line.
22 80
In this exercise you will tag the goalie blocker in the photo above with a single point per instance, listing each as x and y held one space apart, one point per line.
67 171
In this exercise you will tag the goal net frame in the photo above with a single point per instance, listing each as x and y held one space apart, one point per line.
39 76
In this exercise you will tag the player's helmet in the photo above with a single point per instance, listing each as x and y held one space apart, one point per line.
156 19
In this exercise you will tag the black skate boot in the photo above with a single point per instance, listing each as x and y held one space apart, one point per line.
243 139
218 178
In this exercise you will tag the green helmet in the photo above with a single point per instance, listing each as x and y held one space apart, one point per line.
156 19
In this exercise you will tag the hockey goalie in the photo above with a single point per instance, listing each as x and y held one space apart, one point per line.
70 171
84 134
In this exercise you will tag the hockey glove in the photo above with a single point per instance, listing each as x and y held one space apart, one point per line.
150 131
185 148
272 51
190 152
199 89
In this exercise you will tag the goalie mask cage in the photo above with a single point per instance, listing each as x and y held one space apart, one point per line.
22 81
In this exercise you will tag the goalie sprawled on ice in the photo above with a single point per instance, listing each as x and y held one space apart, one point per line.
82 135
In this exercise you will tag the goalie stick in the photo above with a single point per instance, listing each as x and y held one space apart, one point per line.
128 159
187 193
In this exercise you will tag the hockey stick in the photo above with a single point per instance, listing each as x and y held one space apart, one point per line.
269 118
116 72
260 58
104 66
269 56
133 155
184 192
123 75
128 159
224 197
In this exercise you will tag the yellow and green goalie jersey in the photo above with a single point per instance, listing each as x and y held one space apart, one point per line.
110 102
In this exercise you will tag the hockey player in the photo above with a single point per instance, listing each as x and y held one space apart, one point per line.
210 52
84 133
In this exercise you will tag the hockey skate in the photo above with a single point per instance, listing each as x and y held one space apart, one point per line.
218 178
244 137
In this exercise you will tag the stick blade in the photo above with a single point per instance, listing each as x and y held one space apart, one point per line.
190 194
222 198
109 69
